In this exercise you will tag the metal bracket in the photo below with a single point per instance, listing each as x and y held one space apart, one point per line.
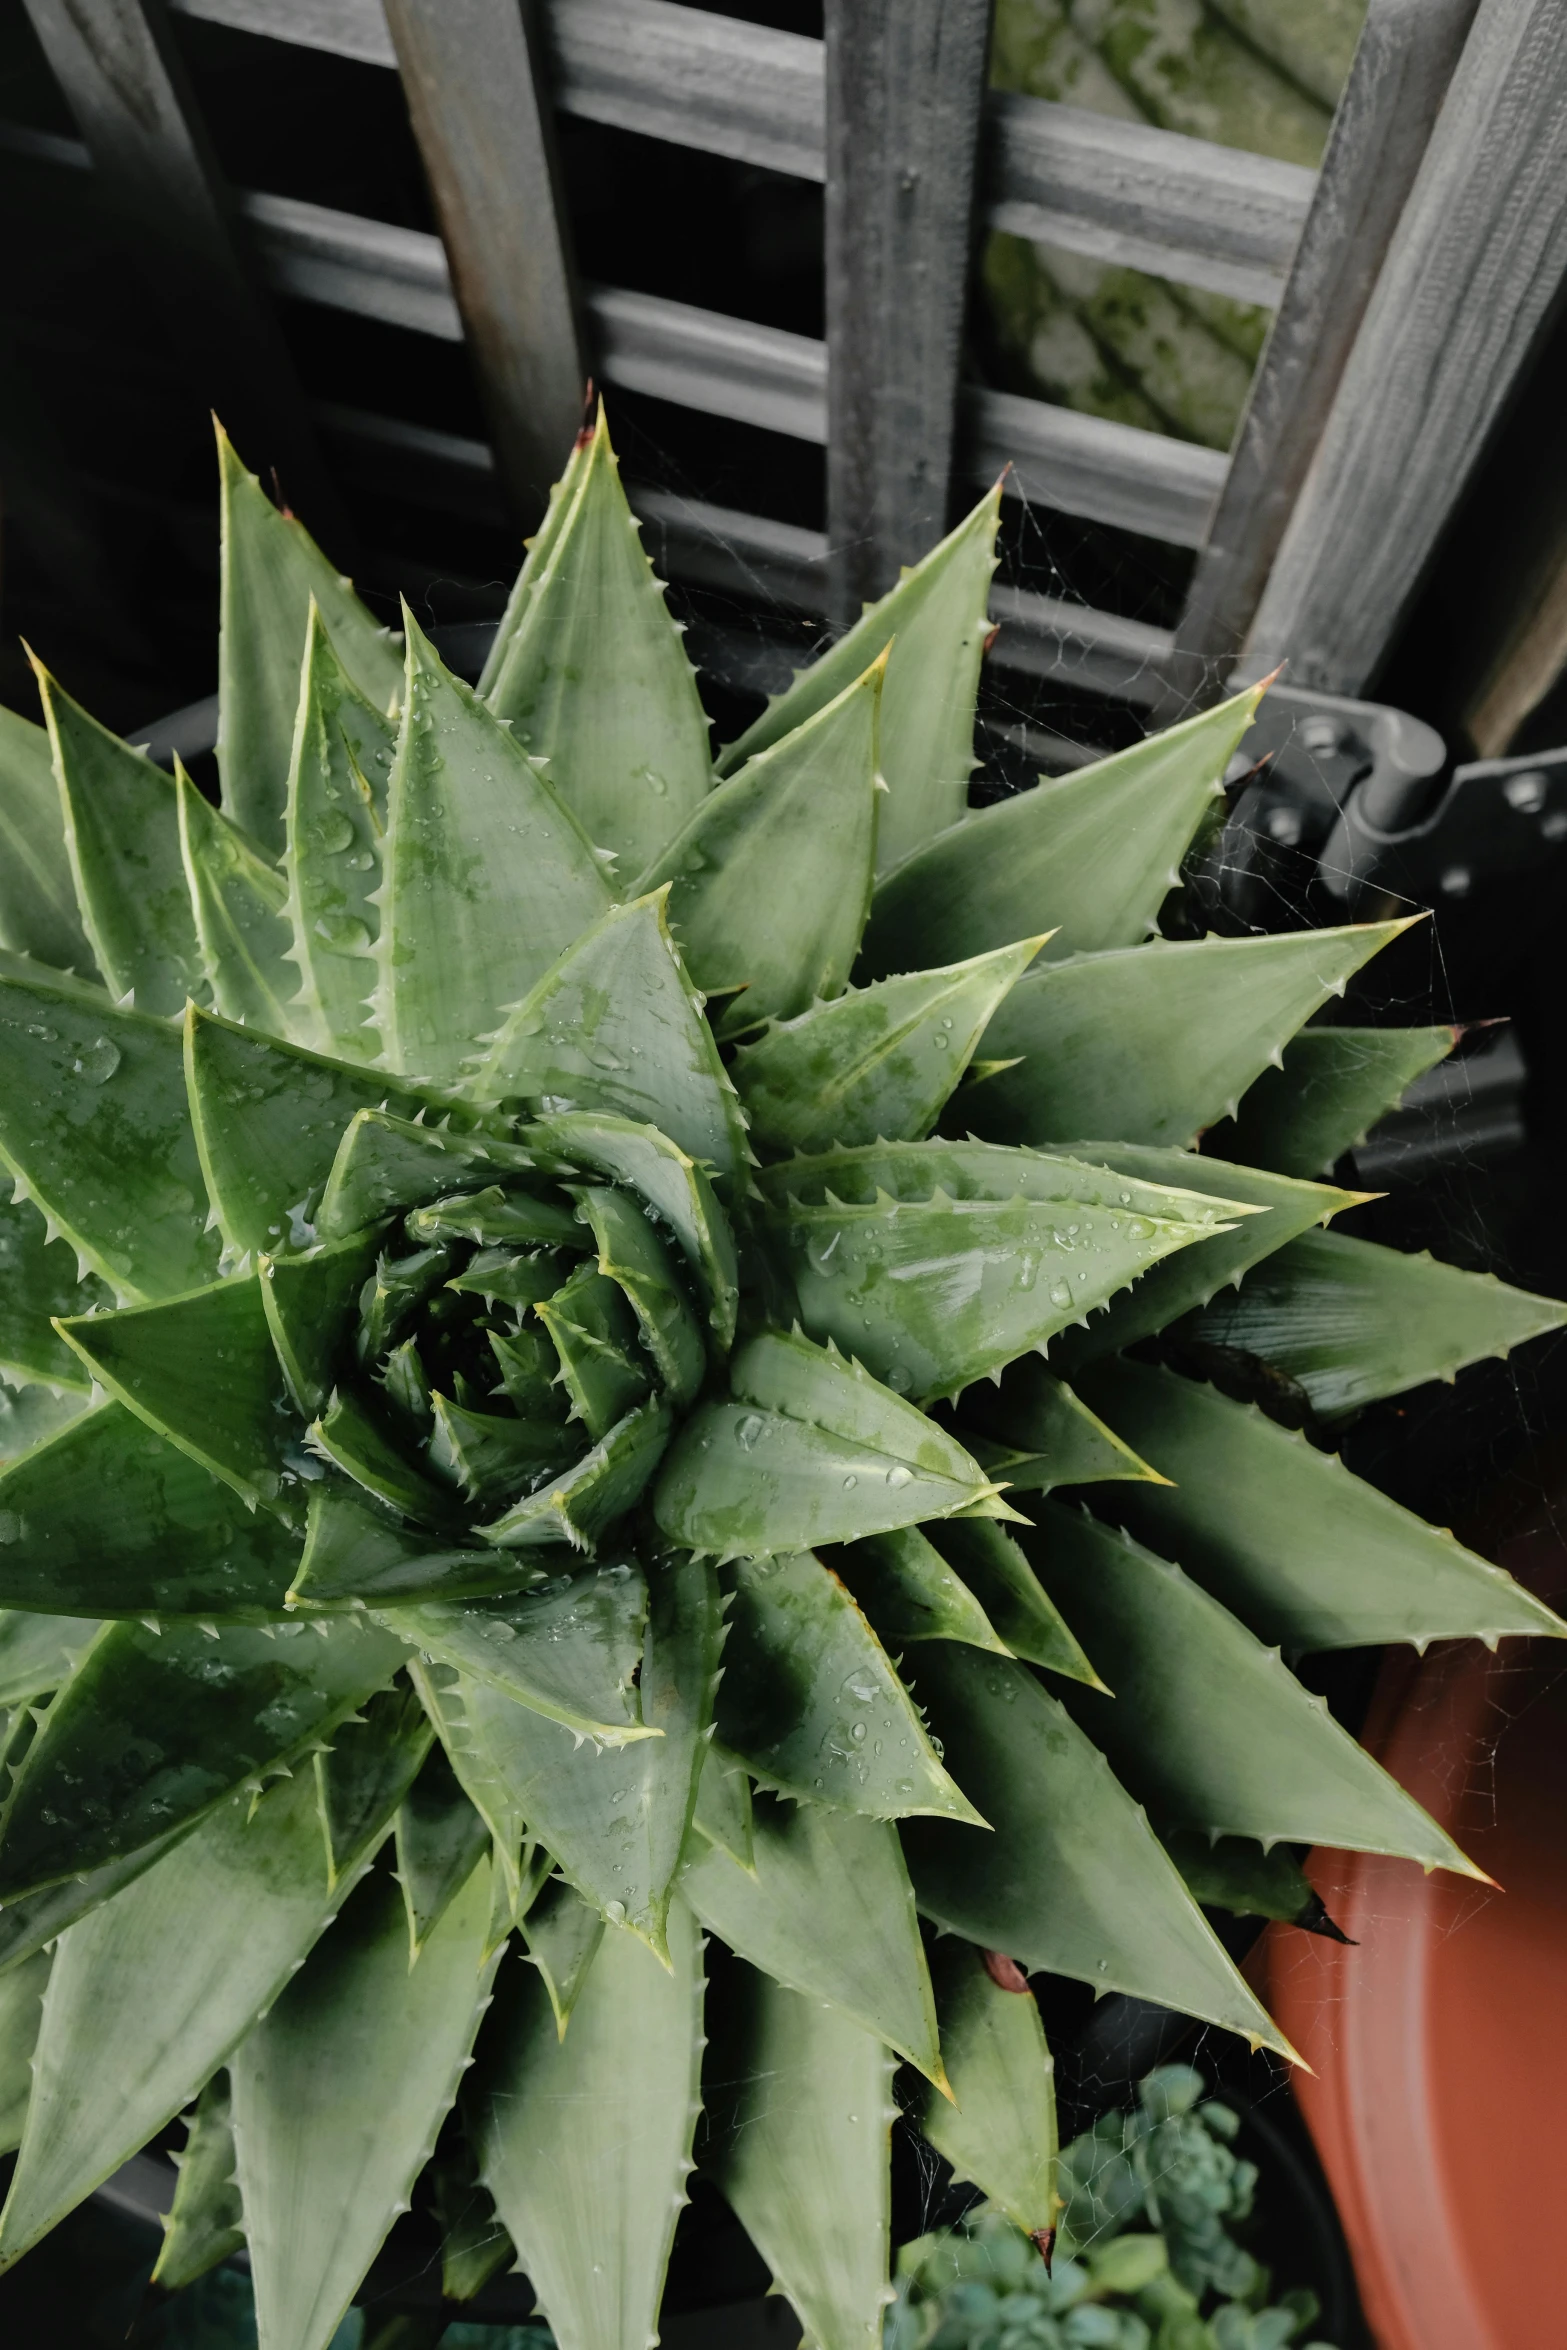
1496 818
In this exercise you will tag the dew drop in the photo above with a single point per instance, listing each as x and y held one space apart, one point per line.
97 1061
898 1475
900 1379
1060 1295
334 831
747 1431
822 1251
849 1484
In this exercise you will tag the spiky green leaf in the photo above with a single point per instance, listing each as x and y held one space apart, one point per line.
38 1652
1090 856
616 1025
585 2142
878 1063
39 1279
364 1770
1317 1558
811 1704
441 1840
1041 1435
772 875
272 571
38 910
109 1519
1334 1084
158 1360
999 2127
488 877
1348 1321
122 830
580 1505
240 907
722 1816
1206 1726
632 1254
1208 1015
206 2222
21 2003
797 2139
934 621
94 1125
309 1302
1283 1206
1074 1879
337 783
909 1592
539 550
999 1574
338 2094
563 1934
155 1728
150 1993
572 1651
827 1910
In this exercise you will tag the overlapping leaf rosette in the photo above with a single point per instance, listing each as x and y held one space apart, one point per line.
553 1294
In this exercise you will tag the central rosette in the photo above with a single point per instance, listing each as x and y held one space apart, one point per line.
510 1373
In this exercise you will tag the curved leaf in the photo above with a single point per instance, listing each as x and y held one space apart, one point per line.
240 907
337 784
269 1117
998 1573
38 1652
148 1995
441 1840
206 2222
909 1592
572 1651
616 1818
39 1279
1349 1321
669 1182
1282 1207
879 1062
94 1125
616 1025
385 1163
936 1293
1090 855
585 2141
154 1729
21 2002
272 572
488 877
1074 1879
632 764
338 2094
311 1303
109 1519
1331 1087
810 1703
632 1255
1304 1553
159 1361
999 2127
122 830
356 1554
918 1171
38 910
798 2138
29 1415
563 1934
808 1449
1042 1435
1208 1015
539 549
771 878
722 1816
1207 1727
584 1501
364 1770
935 622
827 1910
594 1333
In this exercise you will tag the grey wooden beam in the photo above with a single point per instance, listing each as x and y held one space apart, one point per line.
1143 198
164 196
481 115
1123 192
1402 67
1473 273
905 92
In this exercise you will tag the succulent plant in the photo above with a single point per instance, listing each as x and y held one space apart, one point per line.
551 1291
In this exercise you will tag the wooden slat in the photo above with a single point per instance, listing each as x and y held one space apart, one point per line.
1190 210
1143 198
1402 66
1085 465
1472 274
905 90
481 116
163 193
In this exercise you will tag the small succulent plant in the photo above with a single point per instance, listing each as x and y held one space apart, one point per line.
526 1307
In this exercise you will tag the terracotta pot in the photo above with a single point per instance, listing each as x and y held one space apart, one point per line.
1439 2042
